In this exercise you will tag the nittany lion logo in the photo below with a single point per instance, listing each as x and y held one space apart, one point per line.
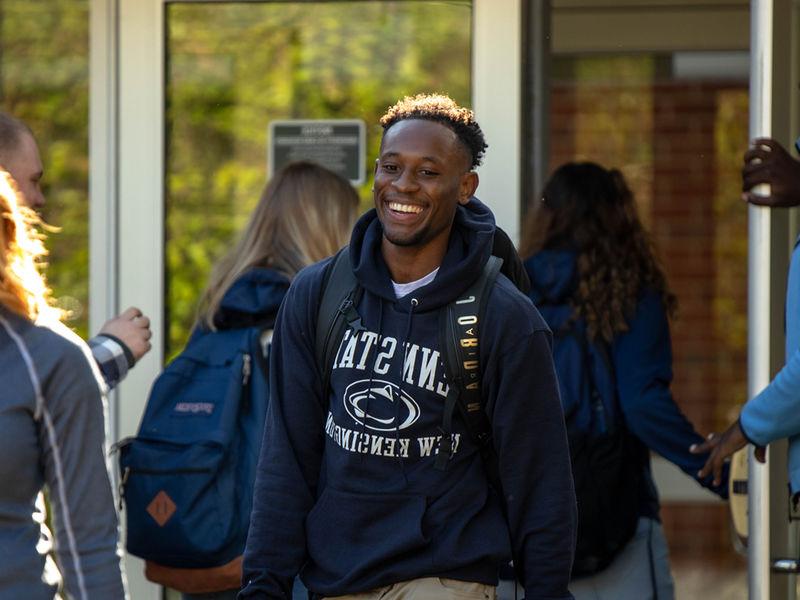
373 404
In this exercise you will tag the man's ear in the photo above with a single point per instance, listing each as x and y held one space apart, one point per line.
469 183
377 162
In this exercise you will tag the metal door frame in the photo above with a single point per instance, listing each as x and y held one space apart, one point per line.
127 40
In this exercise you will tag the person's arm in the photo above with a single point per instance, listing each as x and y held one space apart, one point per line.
72 437
121 342
291 453
775 412
534 463
642 359
113 358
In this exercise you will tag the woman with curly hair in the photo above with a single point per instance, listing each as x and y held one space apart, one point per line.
594 274
52 434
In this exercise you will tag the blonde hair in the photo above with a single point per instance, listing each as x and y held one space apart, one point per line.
305 214
23 288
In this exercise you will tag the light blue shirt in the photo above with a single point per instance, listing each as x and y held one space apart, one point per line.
775 412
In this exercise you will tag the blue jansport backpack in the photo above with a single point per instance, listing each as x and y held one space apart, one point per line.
187 477
605 468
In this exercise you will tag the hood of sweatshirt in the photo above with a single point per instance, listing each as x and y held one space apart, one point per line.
468 250
553 275
253 299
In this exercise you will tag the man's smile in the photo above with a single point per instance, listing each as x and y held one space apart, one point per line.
404 208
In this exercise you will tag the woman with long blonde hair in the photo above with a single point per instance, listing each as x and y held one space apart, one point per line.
304 215
52 433
596 281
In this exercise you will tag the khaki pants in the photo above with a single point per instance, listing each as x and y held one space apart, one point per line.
427 588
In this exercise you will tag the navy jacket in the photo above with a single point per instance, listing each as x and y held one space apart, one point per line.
254 298
346 490
642 361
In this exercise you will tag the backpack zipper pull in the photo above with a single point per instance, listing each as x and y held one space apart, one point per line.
599 411
123 480
247 369
349 312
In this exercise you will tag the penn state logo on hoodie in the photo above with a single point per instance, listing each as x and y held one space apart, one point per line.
391 401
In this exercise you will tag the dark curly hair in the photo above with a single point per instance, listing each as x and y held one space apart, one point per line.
441 109
591 210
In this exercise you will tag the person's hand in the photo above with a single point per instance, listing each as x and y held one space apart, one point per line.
721 447
133 329
768 162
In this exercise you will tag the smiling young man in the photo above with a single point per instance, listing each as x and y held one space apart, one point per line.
348 491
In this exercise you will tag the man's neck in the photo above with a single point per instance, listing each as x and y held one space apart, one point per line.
409 263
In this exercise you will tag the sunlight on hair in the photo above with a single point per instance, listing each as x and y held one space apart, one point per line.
23 288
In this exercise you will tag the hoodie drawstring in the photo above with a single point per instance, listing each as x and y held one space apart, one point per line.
372 374
414 303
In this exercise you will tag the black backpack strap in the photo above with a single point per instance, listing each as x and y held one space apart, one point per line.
604 351
601 347
337 311
513 267
459 327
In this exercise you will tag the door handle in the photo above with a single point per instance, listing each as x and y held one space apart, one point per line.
786 565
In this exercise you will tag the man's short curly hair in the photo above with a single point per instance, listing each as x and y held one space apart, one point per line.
441 109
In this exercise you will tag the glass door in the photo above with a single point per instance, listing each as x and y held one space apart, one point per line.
234 69
183 97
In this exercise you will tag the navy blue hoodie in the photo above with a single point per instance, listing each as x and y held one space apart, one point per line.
642 360
254 298
347 492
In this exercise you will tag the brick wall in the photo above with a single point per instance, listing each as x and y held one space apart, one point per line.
679 143
699 533
682 224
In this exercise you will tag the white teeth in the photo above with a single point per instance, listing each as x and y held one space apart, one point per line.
405 208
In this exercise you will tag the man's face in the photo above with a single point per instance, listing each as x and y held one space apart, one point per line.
422 174
25 166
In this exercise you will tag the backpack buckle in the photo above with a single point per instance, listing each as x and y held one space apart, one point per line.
445 452
353 318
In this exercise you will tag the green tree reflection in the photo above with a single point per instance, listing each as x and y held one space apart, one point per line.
234 68
44 80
